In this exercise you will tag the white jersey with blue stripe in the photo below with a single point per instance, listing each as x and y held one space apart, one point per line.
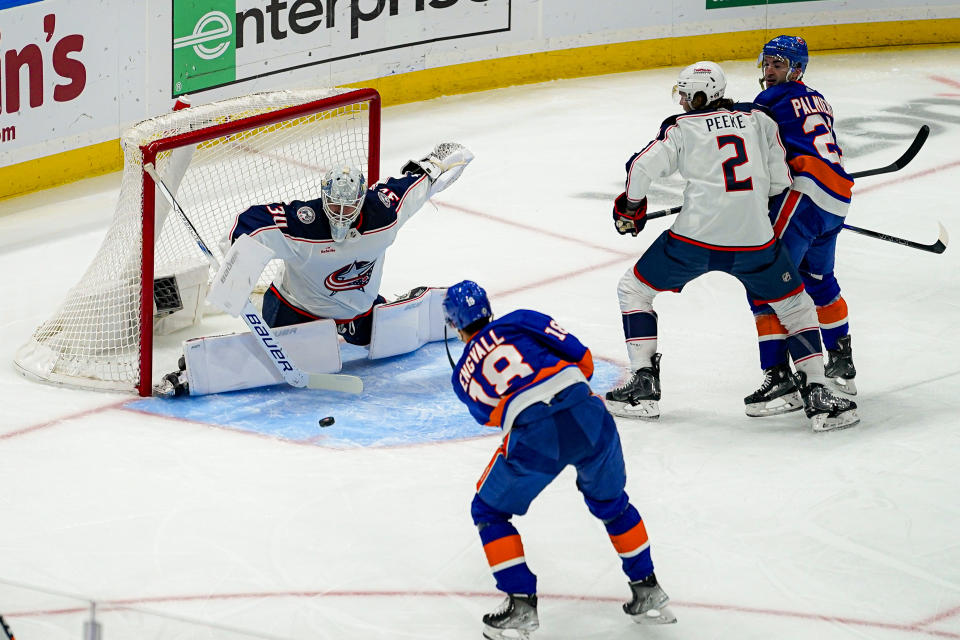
338 280
732 159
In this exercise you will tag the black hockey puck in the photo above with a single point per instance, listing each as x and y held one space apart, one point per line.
326 422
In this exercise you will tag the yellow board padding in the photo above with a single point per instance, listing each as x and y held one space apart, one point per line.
649 54
483 75
60 168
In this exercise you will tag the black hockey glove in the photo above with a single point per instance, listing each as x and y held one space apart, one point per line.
629 217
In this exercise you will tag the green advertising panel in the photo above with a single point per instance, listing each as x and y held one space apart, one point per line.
722 4
204 53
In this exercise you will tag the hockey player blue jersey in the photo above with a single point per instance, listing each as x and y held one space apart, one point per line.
518 360
805 119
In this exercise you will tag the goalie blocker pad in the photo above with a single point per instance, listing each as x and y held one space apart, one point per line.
216 364
238 275
406 325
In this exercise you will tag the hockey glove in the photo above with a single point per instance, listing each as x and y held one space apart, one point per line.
629 217
443 165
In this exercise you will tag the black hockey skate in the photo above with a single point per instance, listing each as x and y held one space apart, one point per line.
174 384
777 394
639 397
839 369
825 410
649 603
518 612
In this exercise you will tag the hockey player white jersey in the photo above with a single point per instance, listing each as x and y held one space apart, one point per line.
732 159
339 280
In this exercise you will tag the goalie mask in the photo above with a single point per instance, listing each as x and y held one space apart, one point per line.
700 84
342 192
465 303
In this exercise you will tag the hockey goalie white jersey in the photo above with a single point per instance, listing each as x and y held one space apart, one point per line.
732 159
338 280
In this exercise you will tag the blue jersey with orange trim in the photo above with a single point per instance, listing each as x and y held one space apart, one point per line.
805 119
518 360
339 280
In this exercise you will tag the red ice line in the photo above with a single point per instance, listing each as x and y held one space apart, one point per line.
108 605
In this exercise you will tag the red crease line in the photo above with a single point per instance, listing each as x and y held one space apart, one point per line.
56 421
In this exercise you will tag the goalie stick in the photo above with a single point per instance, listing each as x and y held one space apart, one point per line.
266 340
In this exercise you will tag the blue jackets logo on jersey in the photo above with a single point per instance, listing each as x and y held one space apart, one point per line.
353 276
306 215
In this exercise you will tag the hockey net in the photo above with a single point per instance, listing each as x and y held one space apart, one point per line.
218 159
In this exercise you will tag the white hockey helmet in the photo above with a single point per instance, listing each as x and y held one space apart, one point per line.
342 192
701 77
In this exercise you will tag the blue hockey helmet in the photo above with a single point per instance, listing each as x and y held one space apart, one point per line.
792 49
465 303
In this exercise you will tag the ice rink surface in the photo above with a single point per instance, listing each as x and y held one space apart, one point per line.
759 528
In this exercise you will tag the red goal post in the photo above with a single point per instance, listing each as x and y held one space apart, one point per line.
149 275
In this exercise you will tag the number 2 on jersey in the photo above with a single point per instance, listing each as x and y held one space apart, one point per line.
730 165
826 142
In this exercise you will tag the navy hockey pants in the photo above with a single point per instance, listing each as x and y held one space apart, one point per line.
574 429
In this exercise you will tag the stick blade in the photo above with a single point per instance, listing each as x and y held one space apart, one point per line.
941 244
335 382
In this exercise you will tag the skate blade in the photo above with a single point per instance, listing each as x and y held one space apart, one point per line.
777 406
655 616
492 633
643 410
848 387
823 422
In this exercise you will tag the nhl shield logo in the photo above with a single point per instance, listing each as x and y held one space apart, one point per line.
306 215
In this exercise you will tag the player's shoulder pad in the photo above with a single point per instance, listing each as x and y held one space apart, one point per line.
524 318
257 217
666 124
383 200
779 92
306 219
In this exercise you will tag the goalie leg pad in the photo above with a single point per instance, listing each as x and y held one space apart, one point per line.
406 325
216 364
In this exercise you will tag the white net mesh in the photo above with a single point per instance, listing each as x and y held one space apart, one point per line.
94 338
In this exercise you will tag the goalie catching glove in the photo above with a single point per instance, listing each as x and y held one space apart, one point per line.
443 165
629 216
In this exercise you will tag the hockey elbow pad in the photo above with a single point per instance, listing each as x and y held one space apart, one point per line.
629 217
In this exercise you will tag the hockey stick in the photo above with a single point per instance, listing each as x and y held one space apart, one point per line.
266 339
900 162
5 629
937 247
896 165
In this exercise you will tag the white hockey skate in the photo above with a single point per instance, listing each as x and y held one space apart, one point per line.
648 604
515 619
826 411
777 394
639 397
839 369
